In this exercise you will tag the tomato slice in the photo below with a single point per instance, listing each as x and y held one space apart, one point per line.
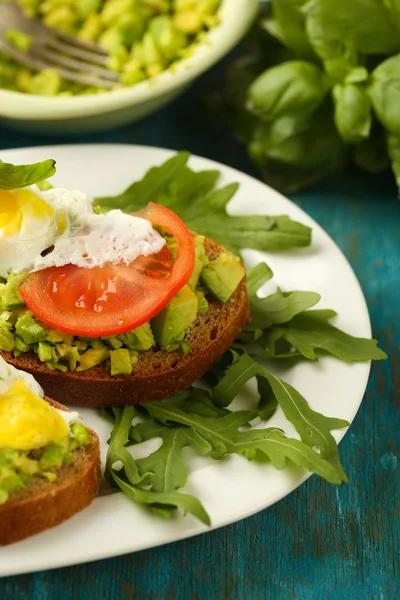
113 299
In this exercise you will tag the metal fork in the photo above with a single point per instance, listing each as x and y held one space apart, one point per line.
74 60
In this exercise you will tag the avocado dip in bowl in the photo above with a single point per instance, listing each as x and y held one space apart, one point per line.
171 50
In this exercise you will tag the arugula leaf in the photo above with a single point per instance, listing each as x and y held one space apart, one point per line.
313 427
223 435
279 307
163 503
311 331
154 183
13 177
278 448
256 278
192 196
234 378
135 473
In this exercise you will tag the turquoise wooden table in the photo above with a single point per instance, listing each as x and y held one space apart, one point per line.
321 542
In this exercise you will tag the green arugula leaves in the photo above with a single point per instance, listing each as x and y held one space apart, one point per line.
192 195
13 177
311 332
282 326
156 479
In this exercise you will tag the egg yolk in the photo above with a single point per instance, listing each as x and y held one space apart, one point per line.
22 207
28 422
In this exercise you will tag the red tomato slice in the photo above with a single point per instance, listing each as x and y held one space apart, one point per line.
113 299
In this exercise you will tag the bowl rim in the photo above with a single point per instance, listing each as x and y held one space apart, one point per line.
236 17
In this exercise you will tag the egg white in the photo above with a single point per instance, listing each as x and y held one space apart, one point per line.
77 236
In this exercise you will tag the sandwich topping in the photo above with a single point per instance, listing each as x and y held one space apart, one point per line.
80 289
35 438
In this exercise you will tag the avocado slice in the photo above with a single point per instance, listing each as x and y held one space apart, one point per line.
199 254
170 325
92 357
29 330
121 363
222 276
9 294
140 338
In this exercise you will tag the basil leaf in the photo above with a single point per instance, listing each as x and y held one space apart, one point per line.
353 116
364 24
384 91
291 23
393 145
13 177
293 88
311 331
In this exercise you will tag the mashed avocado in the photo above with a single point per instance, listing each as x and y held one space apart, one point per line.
19 467
143 38
21 331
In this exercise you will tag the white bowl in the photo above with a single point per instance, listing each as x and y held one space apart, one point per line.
77 114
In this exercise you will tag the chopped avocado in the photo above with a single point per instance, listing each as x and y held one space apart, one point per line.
114 342
222 276
199 253
45 352
29 330
20 345
9 294
80 434
121 362
73 357
92 357
203 302
55 366
52 457
140 338
171 324
54 337
19 467
6 340
184 347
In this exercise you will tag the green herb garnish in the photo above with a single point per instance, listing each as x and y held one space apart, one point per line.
201 418
13 177
192 195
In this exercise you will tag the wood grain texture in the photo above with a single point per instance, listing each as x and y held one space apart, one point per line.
321 542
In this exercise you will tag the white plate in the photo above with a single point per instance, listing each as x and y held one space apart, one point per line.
234 488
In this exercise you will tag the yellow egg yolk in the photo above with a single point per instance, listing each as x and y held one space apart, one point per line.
22 207
26 421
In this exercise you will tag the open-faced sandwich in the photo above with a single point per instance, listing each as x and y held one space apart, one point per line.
111 308
49 460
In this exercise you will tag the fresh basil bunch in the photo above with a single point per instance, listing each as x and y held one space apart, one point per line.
319 88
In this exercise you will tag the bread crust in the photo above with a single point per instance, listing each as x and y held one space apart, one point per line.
44 504
157 374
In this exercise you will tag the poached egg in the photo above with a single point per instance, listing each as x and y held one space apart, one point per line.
27 421
32 221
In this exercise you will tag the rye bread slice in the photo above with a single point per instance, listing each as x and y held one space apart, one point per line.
157 374
44 504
